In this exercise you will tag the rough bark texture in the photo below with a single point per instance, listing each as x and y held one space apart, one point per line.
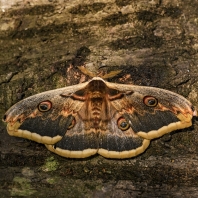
154 42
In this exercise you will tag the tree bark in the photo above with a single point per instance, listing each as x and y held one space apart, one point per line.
154 43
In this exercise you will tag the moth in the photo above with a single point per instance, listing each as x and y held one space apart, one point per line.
113 120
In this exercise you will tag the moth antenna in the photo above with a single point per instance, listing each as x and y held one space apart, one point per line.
85 71
111 74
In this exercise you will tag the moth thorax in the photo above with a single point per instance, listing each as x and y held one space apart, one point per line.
96 106
96 94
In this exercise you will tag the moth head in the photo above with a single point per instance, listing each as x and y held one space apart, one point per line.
150 101
44 106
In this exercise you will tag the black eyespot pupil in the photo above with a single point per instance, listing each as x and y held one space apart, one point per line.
44 107
151 102
123 124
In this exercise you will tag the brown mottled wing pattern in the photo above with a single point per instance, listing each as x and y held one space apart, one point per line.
90 136
171 111
114 120
48 127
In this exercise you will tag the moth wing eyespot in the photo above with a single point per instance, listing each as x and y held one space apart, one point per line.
150 101
44 106
123 124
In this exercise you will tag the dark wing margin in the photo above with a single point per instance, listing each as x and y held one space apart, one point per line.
115 143
77 142
26 120
170 113
52 128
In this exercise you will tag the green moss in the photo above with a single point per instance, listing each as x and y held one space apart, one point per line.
52 180
50 165
22 187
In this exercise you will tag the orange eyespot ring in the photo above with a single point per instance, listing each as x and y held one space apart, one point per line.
72 124
150 101
44 106
123 124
